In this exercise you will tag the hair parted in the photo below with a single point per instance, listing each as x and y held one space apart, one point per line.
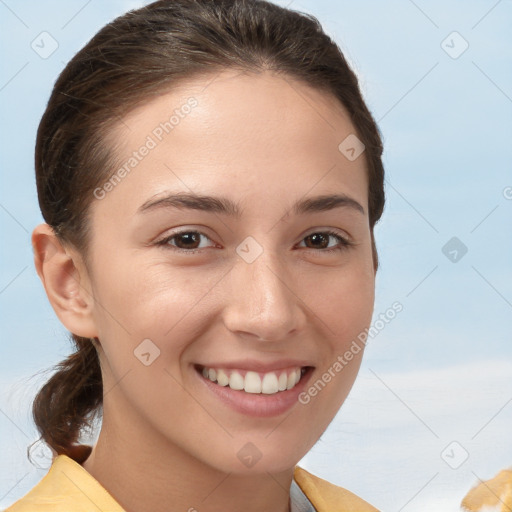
130 60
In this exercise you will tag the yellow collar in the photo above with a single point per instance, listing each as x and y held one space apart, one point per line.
327 497
68 485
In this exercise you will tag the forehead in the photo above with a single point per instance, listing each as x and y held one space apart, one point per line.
264 136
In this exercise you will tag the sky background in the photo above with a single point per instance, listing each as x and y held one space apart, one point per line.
431 410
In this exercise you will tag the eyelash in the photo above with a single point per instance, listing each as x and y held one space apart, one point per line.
343 242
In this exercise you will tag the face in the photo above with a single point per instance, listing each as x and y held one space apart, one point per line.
197 298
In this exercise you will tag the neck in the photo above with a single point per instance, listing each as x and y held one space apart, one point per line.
164 478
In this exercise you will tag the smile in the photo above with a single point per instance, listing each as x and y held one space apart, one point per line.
254 382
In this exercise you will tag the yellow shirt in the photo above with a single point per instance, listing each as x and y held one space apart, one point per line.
69 487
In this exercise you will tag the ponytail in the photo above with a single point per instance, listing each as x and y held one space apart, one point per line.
70 399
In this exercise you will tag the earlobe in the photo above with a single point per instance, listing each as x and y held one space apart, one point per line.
65 281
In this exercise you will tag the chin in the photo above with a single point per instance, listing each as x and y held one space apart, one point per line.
253 455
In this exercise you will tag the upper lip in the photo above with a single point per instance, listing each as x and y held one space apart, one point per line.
258 366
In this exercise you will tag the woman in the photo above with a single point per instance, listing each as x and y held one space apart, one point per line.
210 178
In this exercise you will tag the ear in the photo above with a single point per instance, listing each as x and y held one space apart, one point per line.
65 280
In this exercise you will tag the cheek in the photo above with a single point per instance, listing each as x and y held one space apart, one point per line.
141 300
343 301
344 304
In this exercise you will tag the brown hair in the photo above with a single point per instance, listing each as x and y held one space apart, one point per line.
136 56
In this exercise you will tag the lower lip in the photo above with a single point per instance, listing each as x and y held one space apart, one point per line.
257 404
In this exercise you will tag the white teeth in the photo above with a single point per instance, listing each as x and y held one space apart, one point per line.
283 381
222 378
291 380
236 381
252 382
269 384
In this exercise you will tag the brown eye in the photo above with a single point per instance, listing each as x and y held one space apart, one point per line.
186 241
320 241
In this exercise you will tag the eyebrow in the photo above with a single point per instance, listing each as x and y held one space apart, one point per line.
223 205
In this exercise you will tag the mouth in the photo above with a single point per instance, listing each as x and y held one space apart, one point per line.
266 383
254 393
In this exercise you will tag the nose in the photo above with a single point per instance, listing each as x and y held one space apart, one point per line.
262 302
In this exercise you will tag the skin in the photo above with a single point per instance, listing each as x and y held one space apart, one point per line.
263 141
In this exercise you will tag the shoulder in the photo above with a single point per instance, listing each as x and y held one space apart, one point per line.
67 486
327 497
